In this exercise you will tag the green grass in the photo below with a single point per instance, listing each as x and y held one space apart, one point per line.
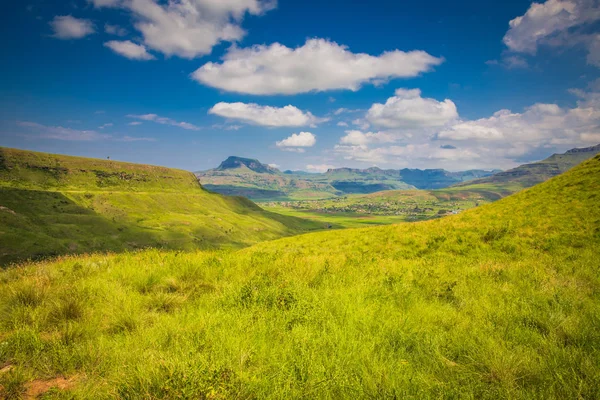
501 301
336 220
52 205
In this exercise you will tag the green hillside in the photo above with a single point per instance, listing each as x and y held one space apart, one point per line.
52 205
499 302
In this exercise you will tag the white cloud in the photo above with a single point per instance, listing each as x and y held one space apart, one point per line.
502 140
165 121
265 115
68 27
342 123
555 23
319 167
297 142
319 65
129 49
108 125
189 28
361 123
407 109
115 30
273 165
538 125
135 123
62 133
358 138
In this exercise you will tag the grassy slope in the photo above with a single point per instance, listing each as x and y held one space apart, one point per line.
58 204
502 301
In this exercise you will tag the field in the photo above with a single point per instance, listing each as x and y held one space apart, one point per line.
392 206
501 301
52 205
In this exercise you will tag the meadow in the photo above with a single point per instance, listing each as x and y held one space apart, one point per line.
501 301
52 205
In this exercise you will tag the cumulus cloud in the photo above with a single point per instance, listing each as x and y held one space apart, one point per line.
318 65
540 124
189 28
265 115
342 123
319 167
69 27
297 142
555 23
358 138
407 109
502 140
361 123
165 121
129 49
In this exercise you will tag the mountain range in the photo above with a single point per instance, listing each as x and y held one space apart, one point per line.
250 178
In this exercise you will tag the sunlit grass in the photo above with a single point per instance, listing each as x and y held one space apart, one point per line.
502 301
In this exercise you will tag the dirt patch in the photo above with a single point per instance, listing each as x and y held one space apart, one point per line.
5 368
35 389
8 210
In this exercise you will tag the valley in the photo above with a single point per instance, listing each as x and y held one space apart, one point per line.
394 206
500 301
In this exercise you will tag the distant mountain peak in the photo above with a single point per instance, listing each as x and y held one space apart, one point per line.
234 162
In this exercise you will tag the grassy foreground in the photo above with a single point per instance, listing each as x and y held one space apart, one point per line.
52 205
501 301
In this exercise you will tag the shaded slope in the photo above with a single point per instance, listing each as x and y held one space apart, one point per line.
51 205
500 302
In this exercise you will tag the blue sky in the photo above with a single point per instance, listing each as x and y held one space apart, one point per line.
301 84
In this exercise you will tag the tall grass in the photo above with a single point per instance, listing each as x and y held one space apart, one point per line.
500 302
